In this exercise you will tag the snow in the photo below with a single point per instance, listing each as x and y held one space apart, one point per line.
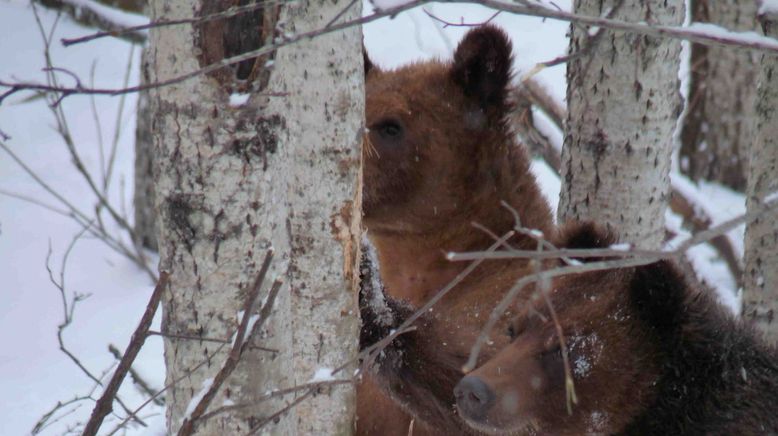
35 373
238 99
322 375
768 7
715 31
207 383
624 246
550 185
116 16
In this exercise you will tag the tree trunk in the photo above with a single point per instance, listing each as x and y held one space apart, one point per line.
718 127
236 177
623 103
760 298
145 224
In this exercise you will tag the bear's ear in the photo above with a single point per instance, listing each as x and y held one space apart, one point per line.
658 293
482 65
368 63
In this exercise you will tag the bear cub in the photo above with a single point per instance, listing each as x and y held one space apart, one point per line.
649 355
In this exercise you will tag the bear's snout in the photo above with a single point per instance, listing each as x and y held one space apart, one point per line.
474 397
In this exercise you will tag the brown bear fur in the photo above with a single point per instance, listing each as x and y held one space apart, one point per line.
649 354
438 156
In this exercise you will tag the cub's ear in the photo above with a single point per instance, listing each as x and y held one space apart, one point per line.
482 65
368 63
658 293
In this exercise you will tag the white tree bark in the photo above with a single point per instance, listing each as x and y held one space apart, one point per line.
718 127
237 179
760 297
623 103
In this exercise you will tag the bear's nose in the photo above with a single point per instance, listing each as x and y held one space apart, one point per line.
474 397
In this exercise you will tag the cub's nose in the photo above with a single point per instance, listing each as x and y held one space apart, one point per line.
474 397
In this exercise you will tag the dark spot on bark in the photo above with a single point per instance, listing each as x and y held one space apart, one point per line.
264 142
638 87
177 216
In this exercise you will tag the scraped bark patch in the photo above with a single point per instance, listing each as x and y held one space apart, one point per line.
341 228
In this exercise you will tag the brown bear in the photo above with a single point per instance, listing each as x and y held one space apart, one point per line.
438 156
649 355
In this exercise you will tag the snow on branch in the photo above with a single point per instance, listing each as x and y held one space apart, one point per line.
109 20
702 34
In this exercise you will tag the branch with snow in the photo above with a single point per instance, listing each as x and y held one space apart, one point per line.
703 34
110 20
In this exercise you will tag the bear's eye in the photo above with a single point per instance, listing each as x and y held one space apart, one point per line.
512 332
553 354
390 130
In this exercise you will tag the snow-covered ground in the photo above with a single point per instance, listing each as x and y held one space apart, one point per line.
34 373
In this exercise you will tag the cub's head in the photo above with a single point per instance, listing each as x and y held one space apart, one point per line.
432 127
611 358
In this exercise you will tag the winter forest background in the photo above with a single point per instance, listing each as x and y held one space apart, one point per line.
67 296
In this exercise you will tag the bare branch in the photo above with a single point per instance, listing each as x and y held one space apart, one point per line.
230 12
83 13
694 34
104 405
142 384
462 22
238 346
277 393
645 259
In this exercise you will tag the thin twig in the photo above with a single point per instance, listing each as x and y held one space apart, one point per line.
239 346
281 412
85 14
186 374
520 284
591 42
274 394
206 339
231 12
462 22
139 381
104 405
406 326
762 44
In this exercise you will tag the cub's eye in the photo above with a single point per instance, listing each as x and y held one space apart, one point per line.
512 333
517 326
390 130
553 354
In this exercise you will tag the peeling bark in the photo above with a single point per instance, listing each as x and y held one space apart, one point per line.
760 297
718 127
235 179
623 104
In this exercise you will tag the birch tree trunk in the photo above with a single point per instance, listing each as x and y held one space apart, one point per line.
760 298
236 178
143 196
718 127
623 103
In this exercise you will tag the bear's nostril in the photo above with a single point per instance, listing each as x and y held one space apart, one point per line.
474 397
